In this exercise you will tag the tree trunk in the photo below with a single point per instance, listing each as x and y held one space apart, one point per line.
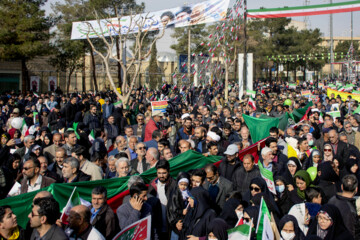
69 80
287 71
226 82
277 71
94 70
83 77
118 56
24 76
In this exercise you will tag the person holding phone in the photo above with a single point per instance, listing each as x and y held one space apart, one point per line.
136 208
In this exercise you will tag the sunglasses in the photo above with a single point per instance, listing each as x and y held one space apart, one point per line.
141 147
255 189
27 168
327 150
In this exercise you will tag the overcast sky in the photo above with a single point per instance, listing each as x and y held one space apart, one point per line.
341 21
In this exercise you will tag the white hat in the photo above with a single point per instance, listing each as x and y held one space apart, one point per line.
231 149
213 136
185 115
158 113
265 150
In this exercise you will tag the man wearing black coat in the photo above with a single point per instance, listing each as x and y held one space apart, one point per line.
103 217
345 201
230 163
243 175
70 111
54 118
340 148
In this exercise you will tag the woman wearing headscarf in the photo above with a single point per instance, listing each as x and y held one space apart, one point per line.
292 166
270 203
301 213
329 180
328 153
218 230
229 213
251 215
289 228
257 185
178 202
352 167
284 199
329 224
313 160
199 216
47 141
302 181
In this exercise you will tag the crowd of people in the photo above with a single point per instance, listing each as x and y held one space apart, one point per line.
67 138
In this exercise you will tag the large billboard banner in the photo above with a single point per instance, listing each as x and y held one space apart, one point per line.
199 13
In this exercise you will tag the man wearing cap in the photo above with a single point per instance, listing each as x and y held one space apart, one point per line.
152 125
108 108
230 163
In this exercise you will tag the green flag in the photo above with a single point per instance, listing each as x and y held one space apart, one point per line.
283 120
242 232
259 128
92 136
297 114
334 114
357 110
75 125
21 204
263 224
267 175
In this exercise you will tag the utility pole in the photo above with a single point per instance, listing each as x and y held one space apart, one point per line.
189 52
352 27
245 50
331 44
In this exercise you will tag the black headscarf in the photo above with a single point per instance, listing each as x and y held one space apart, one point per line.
259 181
228 213
287 175
299 235
328 173
44 145
253 212
219 228
337 229
270 203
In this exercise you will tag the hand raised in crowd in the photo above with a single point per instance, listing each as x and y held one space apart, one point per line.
136 202
10 143
191 202
192 237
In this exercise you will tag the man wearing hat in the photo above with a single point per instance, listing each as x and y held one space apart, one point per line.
153 124
230 163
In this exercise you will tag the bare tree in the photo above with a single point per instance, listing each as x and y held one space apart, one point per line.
137 22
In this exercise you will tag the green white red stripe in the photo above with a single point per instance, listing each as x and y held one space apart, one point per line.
310 10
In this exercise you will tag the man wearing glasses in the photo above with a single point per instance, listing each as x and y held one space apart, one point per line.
43 217
139 128
139 164
32 179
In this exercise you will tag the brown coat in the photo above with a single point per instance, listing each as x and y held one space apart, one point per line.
45 182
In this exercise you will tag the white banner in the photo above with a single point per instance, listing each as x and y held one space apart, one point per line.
199 13
35 83
52 83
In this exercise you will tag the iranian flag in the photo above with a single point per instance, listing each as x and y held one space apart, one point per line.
310 10
357 110
263 229
355 92
73 201
334 114
36 118
252 103
242 232
268 177
118 104
92 136
251 93
292 85
341 89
